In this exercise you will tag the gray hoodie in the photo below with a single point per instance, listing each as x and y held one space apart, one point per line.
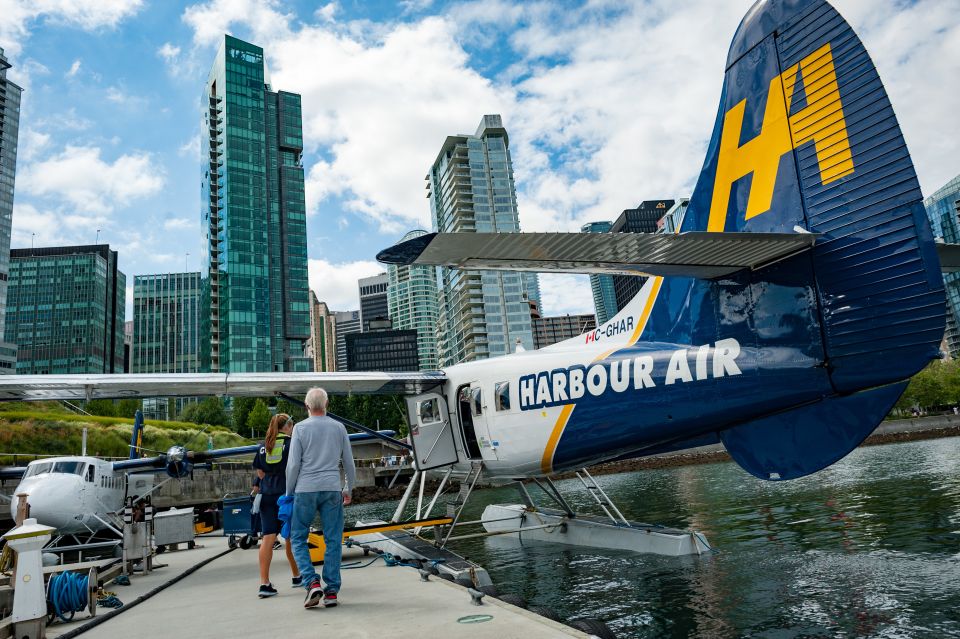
318 446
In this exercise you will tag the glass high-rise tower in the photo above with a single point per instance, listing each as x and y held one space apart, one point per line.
471 190
66 310
412 298
166 323
9 132
255 313
604 296
943 211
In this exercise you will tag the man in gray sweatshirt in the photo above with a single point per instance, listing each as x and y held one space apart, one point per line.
318 446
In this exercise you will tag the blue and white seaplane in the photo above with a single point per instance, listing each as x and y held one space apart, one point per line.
783 320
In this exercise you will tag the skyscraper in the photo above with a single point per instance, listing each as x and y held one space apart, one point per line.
642 219
550 330
166 323
373 299
255 304
412 300
604 297
345 322
944 216
9 132
471 189
323 340
66 310
382 349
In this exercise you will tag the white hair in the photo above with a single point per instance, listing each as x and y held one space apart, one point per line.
316 400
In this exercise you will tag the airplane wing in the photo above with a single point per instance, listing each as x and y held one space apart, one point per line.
12 472
194 457
698 254
78 387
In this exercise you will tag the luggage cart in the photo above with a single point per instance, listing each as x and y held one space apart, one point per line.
239 526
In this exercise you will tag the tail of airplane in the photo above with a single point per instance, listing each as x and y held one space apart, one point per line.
806 141
136 437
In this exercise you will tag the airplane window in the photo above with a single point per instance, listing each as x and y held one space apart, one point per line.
502 393
477 404
38 469
429 411
90 471
69 468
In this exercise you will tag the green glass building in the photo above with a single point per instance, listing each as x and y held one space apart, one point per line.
9 133
413 304
166 323
255 309
65 310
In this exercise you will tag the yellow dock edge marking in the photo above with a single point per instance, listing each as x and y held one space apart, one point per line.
546 464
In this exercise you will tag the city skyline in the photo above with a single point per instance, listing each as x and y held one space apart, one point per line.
109 124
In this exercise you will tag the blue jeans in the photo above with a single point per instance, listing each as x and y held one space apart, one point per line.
329 504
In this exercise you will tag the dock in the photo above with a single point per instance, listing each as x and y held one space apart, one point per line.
220 599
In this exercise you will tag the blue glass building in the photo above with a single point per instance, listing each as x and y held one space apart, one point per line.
944 216
604 296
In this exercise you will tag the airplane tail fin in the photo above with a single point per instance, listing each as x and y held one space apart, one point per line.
136 437
806 141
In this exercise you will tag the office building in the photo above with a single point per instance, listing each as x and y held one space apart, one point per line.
604 297
673 218
9 133
65 310
255 305
642 219
345 323
412 302
550 330
166 323
942 211
373 299
382 349
471 190
323 336
127 345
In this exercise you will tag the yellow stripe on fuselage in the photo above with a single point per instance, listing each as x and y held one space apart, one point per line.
546 463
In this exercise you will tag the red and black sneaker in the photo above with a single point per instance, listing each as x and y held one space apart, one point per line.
314 594
329 599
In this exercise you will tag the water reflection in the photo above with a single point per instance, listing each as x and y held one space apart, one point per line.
867 548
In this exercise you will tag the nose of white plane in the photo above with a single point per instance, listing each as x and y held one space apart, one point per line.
55 500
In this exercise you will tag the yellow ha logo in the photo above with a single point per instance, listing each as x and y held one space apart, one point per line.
820 121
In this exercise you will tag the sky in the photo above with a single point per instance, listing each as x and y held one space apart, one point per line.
606 104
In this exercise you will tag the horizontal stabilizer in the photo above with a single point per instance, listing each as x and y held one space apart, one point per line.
803 440
49 387
949 257
697 254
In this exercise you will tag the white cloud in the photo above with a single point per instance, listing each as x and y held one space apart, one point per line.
336 284
74 69
327 12
80 177
31 143
68 121
190 148
179 224
168 52
565 294
212 19
18 16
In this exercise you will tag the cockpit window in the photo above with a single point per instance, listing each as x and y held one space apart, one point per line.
66 467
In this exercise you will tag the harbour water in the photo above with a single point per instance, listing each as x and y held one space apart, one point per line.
867 548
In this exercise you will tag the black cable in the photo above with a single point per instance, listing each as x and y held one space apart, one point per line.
96 621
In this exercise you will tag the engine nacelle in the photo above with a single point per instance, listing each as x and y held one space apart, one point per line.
177 463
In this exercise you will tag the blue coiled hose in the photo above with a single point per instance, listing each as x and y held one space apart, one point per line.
67 593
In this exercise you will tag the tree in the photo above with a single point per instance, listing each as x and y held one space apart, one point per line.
209 411
258 418
102 407
241 408
128 407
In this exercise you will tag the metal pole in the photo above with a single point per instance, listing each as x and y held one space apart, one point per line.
423 482
406 497
83 445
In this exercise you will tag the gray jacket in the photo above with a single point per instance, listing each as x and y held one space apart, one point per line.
318 446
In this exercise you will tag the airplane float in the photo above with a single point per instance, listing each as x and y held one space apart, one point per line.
783 320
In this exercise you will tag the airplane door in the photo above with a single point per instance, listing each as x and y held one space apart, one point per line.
431 432
475 410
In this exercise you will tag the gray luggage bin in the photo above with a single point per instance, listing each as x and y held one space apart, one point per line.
173 526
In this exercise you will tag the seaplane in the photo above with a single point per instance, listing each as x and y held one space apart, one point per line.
783 320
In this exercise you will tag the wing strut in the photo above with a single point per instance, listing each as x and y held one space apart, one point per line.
353 424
